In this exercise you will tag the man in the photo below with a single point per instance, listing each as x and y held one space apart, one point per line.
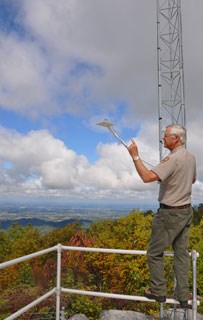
170 226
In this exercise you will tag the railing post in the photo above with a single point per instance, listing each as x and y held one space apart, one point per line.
58 284
194 280
161 312
62 317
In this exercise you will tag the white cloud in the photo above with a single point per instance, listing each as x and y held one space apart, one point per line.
21 83
38 164
118 37
104 35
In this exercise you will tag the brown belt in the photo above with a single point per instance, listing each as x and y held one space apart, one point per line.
184 206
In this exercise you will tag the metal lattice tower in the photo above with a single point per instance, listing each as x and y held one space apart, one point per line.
171 95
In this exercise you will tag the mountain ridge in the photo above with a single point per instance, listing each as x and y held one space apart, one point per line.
37 222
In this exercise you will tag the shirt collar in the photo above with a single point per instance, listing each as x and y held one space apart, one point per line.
177 149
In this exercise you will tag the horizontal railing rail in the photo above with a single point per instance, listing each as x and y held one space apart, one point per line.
31 305
27 257
58 289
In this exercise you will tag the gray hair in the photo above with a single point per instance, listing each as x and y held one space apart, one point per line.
179 131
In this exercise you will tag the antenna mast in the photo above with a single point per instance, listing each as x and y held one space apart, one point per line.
171 94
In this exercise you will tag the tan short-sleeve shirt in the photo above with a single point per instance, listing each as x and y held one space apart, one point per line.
177 172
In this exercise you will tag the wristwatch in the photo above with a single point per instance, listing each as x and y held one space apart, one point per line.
136 158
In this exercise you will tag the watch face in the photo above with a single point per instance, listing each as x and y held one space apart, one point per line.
136 158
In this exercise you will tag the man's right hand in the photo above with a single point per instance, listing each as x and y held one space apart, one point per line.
133 150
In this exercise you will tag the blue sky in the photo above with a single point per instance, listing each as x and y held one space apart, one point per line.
67 65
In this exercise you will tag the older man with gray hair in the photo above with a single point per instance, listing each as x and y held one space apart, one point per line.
170 226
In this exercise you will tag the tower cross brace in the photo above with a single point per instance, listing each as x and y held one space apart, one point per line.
171 93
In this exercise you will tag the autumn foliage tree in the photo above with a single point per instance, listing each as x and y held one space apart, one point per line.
94 271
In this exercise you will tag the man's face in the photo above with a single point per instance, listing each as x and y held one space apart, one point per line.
169 139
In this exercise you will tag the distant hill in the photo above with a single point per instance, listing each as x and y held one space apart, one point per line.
35 222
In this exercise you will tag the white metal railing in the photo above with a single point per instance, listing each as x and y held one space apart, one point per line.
58 289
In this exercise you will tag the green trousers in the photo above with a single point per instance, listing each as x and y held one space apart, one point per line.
170 227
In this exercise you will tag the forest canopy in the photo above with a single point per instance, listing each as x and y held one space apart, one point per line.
114 273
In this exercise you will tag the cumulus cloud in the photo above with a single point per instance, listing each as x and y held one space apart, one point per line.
39 164
103 42
21 83
93 37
